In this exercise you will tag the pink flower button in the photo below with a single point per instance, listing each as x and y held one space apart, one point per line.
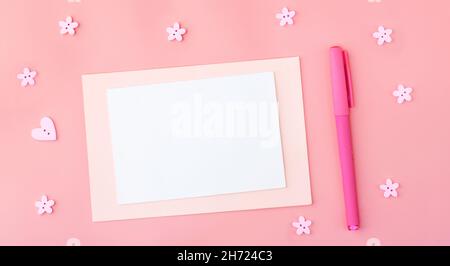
73 242
383 35
302 226
373 242
44 205
68 26
390 189
403 94
286 16
27 77
175 32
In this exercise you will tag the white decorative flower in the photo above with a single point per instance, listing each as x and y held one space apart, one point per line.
302 226
68 26
403 94
285 16
390 188
44 205
27 77
175 32
383 35
373 242
73 242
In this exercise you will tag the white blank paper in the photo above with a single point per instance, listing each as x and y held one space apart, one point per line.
196 138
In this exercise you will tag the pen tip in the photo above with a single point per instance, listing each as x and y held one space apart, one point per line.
353 227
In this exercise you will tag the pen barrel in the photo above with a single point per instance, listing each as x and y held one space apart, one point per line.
348 171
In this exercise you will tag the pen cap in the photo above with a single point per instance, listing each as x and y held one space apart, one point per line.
341 81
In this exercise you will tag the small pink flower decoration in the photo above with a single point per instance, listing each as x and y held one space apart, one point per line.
285 16
68 26
27 77
73 242
383 35
403 94
302 226
175 32
390 189
373 242
44 205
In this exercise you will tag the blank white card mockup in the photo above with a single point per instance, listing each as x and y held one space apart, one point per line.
196 138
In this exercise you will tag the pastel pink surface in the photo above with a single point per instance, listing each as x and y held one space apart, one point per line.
408 143
46 132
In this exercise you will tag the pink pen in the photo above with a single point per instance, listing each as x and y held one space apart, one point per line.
343 101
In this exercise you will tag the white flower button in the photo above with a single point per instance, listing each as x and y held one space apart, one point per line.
27 77
403 94
175 32
286 16
390 189
73 242
302 226
383 35
68 26
373 242
44 205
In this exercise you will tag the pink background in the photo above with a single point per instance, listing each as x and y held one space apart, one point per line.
408 143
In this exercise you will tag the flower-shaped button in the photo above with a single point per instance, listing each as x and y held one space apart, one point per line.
175 32
373 242
68 26
383 35
286 16
44 205
73 242
27 77
390 189
302 226
403 94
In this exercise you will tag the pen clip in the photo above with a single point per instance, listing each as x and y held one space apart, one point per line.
348 81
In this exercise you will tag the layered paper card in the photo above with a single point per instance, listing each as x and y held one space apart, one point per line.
196 139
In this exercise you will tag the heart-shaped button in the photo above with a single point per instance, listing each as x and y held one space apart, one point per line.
46 132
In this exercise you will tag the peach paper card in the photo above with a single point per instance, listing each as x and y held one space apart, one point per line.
149 156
